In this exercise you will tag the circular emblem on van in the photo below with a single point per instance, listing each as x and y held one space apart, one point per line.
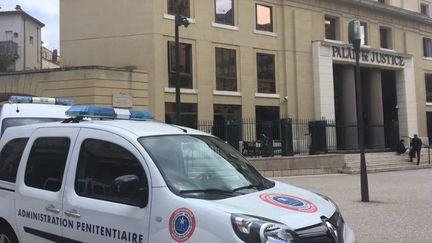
182 224
289 202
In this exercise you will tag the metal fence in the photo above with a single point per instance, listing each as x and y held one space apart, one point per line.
254 138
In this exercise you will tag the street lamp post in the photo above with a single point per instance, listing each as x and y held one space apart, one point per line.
179 20
355 39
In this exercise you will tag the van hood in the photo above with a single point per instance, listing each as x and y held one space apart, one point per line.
295 207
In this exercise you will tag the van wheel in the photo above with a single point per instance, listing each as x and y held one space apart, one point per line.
7 235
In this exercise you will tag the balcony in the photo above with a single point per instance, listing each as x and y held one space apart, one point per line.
9 49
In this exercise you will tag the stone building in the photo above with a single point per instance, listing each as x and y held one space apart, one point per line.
20 35
267 59
50 59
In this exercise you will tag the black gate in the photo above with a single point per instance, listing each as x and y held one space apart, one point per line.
228 129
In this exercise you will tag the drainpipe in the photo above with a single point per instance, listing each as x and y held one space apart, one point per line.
39 43
24 46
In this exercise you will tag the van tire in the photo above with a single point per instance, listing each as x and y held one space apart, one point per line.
7 234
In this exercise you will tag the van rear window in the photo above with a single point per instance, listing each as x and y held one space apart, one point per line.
10 157
13 122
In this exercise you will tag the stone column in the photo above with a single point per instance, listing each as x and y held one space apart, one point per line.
348 110
373 108
323 82
407 101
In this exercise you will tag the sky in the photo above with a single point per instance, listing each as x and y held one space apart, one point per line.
46 11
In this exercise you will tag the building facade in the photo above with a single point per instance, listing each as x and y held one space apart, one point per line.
20 35
50 59
267 59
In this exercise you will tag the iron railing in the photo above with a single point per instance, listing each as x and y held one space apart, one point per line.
254 138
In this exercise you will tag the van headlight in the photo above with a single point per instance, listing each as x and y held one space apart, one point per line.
253 229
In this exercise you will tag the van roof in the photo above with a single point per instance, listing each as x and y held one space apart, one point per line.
131 127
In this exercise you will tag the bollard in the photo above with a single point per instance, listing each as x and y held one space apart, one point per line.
286 137
317 130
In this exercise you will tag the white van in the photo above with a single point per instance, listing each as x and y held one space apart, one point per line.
23 110
139 181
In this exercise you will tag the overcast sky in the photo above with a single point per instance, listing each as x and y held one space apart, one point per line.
46 11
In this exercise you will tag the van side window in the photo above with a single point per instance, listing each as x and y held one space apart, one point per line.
100 163
10 158
46 163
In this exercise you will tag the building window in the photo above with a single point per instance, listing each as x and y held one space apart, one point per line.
382 1
385 37
31 40
9 35
224 12
427 47
185 65
428 79
266 73
226 69
188 114
331 27
267 122
181 7
364 33
424 9
264 18
224 114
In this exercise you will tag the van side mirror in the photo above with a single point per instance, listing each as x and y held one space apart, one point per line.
130 186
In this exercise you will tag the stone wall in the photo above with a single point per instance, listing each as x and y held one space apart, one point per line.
299 165
90 85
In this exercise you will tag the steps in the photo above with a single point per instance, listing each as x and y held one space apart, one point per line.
387 161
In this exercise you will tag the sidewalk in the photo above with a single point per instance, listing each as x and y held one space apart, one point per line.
400 207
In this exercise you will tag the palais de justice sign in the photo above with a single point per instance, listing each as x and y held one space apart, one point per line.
368 56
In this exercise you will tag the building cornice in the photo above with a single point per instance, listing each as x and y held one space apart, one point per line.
23 14
90 67
370 5
363 48
389 9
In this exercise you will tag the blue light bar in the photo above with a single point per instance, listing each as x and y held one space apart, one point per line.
91 111
109 113
40 100
140 115
20 99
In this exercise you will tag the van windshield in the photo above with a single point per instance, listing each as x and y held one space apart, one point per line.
13 122
203 167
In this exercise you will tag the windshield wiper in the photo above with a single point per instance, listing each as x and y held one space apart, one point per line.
251 186
209 190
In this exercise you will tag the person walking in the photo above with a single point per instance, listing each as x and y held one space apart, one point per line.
416 144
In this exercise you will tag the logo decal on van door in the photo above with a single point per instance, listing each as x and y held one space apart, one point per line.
182 224
289 202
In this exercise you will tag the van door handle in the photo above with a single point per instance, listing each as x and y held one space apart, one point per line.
73 213
52 208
